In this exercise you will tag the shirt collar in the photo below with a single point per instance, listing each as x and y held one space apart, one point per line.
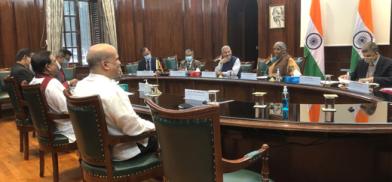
100 77
58 65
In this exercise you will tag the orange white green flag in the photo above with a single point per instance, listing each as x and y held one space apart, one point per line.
363 31
314 43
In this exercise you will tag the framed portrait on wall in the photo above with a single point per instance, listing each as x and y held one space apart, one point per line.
276 16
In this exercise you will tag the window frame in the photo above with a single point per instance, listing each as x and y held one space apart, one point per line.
96 32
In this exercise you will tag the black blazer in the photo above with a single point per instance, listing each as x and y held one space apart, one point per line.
382 73
20 73
142 64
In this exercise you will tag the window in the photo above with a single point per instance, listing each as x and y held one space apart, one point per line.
79 32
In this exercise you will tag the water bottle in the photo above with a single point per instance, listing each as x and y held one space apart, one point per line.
285 103
278 77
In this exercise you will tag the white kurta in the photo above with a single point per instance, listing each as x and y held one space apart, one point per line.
234 71
120 117
57 104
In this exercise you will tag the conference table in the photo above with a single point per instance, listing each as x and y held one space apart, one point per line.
300 151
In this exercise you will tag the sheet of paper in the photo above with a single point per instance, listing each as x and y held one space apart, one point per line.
248 76
310 80
200 95
145 73
177 73
359 87
208 74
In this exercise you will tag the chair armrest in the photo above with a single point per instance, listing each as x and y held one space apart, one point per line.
125 138
54 116
247 159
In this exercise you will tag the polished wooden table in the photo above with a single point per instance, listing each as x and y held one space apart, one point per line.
241 90
299 151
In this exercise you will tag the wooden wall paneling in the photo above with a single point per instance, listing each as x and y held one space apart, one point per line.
263 28
21 12
291 26
125 28
196 24
219 27
21 26
8 37
207 30
277 34
139 26
236 27
36 24
163 23
298 50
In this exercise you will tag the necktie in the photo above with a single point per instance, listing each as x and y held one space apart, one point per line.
148 66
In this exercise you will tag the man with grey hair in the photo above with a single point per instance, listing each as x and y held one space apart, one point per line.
373 68
105 67
282 61
228 65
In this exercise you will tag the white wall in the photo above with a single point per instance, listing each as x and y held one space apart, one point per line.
338 17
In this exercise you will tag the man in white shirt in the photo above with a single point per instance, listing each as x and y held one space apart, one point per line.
228 65
121 119
45 67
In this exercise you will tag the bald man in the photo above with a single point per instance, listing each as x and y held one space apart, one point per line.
281 60
121 119
228 65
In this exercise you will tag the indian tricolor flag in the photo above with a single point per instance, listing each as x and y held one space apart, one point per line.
363 32
314 43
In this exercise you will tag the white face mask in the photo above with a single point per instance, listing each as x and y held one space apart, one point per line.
147 57
188 58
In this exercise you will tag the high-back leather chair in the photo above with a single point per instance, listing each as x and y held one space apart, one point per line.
170 63
44 125
4 97
262 67
191 147
246 67
69 73
131 68
22 117
95 143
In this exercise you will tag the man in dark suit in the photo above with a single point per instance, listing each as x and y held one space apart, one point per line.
148 62
373 68
62 58
21 69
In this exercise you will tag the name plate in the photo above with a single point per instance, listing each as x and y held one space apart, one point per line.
145 73
177 73
144 89
359 87
197 95
208 74
310 80
248 76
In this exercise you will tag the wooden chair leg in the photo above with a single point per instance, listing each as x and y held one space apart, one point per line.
20 141
26 145
41 163
55 167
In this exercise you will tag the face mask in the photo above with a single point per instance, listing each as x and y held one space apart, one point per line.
188 58
274 58
147 57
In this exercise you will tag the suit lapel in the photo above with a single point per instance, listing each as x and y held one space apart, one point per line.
379 67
